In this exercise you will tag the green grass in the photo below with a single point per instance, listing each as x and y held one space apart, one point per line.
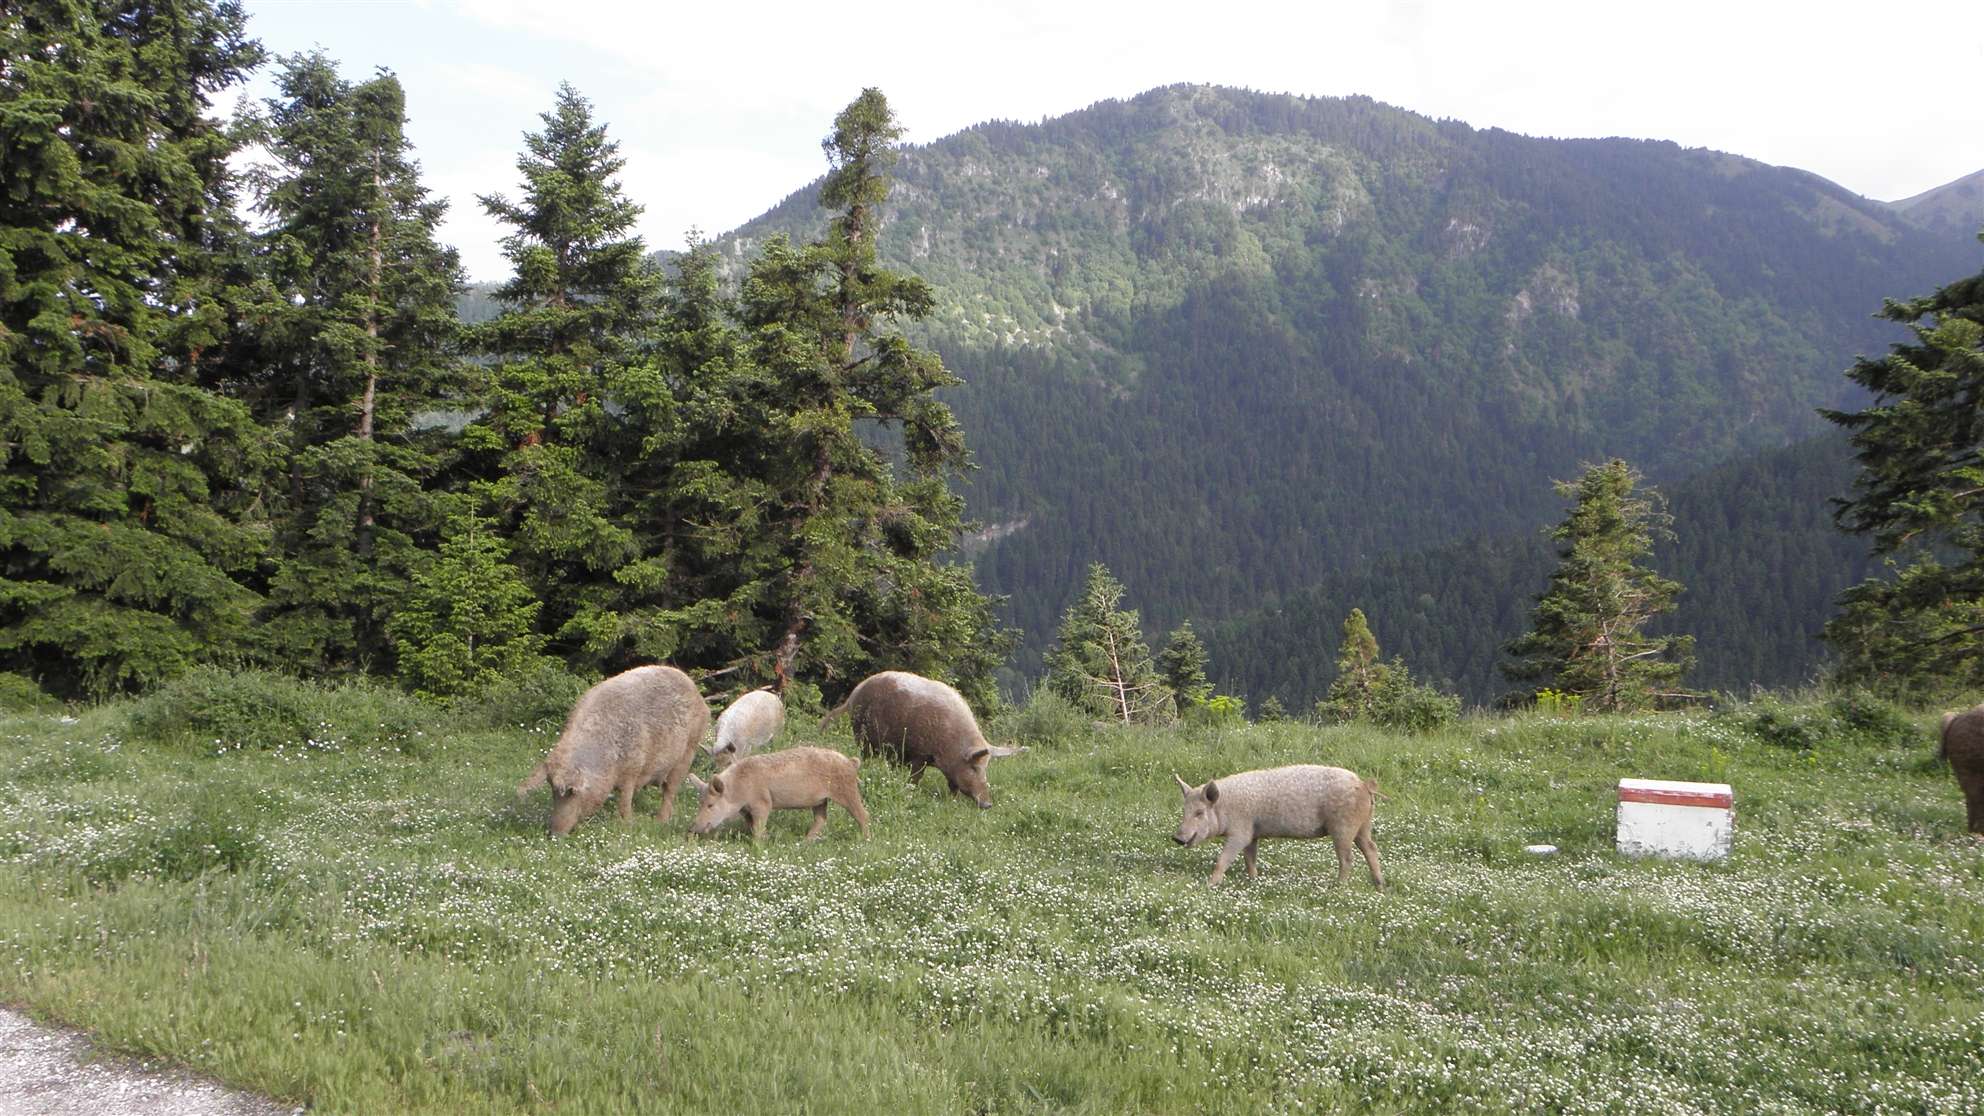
364 919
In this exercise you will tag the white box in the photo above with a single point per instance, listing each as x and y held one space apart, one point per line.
1692 821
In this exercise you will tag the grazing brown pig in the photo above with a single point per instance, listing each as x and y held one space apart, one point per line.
749 724
795 779
637 728
923 723
1303 800
1963 746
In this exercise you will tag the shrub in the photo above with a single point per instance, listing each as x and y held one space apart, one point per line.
1046 718
1851 716
539 697
1390 699
223 711
1219 709
19 694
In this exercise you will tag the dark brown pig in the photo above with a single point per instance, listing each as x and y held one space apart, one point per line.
922 722
637 728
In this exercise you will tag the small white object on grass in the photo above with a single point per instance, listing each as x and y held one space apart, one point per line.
1539 850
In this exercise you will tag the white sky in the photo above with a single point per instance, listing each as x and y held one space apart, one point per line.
719 106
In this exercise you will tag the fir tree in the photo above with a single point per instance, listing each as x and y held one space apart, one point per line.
1920 496
468 620
128 512
859 581
581 298
356 337
1586 634
1182 665
1383 694
1099 660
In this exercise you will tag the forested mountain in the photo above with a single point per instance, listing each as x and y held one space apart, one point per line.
1753 543
1239 346
1954 208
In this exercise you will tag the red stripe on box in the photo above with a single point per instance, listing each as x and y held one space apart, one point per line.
1711 799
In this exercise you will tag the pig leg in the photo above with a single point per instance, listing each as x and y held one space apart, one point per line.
1342 856
1370 850
758 819
1227 854
819 822
626 792
851 802
672 782
1253 872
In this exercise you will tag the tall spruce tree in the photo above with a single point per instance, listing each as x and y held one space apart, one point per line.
1586 636
582 297
356 337
1100 661
1920 497
860 581
128 501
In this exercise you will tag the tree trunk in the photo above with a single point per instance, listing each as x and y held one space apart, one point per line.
369 402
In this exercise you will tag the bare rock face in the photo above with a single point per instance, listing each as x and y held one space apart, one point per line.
638 728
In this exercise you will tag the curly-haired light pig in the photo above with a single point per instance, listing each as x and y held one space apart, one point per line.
1303 800
923 723
637 728
749 724
795 779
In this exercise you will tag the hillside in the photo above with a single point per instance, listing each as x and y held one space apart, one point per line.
1953 209
1235 344
1753 544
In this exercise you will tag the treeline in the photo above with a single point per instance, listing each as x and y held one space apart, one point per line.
279 444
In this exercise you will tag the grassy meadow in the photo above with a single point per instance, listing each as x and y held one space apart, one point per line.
334 897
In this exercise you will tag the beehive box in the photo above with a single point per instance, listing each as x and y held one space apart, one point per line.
1691 821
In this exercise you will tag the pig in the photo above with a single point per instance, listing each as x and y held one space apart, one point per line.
923 723
795 779
1962 744
1302 800
749 723
637 728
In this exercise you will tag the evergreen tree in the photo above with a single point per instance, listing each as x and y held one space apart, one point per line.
128 510
1920 496
1383 694
858 582
582 297
1182 666
1099 660
1586 634
355 336
468 619
1272 710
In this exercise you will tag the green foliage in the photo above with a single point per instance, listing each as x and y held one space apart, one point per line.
1217 710
1557 703
1383 694
467 623
1182 666
1850 718
1272 710
1046 720
353 334
128 504
22 695
537 697
1100 662
217 711
1586 634
1921 455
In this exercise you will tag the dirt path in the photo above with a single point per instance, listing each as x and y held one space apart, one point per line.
48 1072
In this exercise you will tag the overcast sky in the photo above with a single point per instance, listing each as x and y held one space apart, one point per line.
719 105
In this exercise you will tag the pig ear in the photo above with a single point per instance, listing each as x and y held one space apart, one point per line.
981 754
1006 751
1212 792
1183 786
716 784
698 784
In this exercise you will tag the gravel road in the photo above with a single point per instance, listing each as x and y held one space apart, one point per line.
49 1072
